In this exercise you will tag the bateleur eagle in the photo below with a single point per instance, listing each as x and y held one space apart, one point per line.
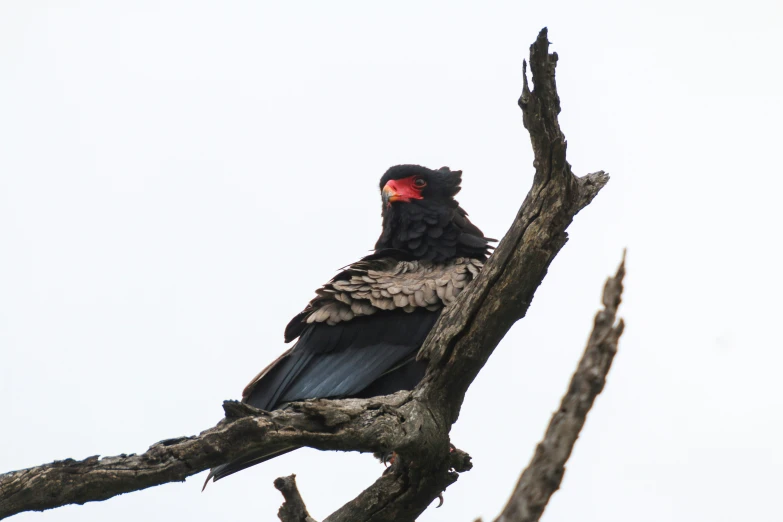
359 336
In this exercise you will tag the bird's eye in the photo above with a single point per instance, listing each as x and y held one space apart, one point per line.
419 183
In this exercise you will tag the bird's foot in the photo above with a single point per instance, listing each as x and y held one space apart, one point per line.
387 458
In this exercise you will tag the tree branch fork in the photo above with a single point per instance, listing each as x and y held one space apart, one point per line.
415 425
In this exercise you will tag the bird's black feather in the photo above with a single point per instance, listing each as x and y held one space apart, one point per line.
343 359
365 357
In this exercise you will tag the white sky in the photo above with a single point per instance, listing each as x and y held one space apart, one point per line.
177 178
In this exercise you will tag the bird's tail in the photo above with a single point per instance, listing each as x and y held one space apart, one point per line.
241 463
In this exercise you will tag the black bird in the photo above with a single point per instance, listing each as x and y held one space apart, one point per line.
359 336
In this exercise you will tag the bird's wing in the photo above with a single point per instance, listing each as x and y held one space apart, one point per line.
365 323
363 357
369 286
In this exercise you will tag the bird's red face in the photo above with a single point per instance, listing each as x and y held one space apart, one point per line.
405 190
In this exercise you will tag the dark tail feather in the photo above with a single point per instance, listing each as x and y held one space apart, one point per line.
225 470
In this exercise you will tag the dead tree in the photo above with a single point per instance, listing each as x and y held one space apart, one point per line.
415 425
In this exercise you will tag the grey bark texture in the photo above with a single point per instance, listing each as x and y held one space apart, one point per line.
293 509
415 425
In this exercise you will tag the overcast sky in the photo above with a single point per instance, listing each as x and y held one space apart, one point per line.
177 178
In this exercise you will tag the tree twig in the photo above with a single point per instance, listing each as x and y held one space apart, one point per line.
293 509
543 475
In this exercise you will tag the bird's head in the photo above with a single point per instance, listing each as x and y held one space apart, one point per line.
421 218
405 184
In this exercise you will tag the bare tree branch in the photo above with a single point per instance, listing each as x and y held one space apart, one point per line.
293 509
543 475
350 424
415 425
462 341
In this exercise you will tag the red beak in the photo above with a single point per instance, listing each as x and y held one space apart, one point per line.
400 190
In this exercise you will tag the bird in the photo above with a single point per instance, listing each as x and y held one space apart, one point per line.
359 336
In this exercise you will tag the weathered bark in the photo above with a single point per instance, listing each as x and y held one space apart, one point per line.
415 425
293 509
349 424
